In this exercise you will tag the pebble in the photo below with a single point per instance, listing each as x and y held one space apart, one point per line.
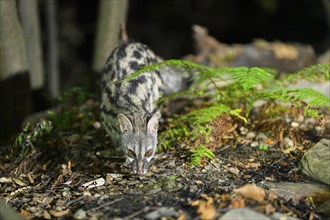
300 118
251 135
162 213
316 161
261 136
79 214
243 130
288 142
255 144
243 213
97 125
294 124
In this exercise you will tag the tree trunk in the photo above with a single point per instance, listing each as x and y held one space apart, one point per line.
29 14
15 94
111 15
53 75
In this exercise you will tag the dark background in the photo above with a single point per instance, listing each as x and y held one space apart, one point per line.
165 26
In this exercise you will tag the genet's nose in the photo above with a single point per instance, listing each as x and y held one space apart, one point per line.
140 172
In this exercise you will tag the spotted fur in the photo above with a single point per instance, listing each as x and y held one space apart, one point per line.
128 109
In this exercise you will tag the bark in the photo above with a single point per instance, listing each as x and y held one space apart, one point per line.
15 94
53 75
29 14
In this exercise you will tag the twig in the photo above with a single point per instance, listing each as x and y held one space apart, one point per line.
137 213
105 204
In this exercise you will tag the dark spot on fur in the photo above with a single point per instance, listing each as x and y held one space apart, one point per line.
137 54
133 65
132 89
141 79
124 73
108 112
108 91
121 54
107 69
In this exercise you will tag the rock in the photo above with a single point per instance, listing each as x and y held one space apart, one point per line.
295 124
287 142
162 213
280 216
323 208
297 191
251 135
79 214
243 213
7 212
316 161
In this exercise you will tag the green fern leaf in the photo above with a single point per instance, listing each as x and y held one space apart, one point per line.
207 114
249 77
315 73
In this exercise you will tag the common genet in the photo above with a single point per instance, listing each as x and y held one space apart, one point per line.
128 108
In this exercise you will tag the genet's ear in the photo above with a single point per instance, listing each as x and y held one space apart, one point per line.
125 124
153 123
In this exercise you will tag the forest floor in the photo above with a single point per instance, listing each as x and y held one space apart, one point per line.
69 174
61 167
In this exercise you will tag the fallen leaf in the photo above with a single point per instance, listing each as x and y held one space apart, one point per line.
237 203
59 213
253 165
182 216
46 215
24 213
5 180
94 183
206 209
19 182
252 191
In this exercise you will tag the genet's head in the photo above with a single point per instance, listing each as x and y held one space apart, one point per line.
141 143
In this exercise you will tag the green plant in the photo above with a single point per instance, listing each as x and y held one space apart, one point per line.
31 135
76 110
233 91
200 153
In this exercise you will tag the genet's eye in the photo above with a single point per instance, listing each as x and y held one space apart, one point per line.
148 153
131 154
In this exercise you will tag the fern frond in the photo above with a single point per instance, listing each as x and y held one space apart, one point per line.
308 95
313 73
185 64
188 94
249 77
207 114
199 153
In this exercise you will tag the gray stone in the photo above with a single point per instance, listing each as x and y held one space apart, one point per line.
297 191
244 214
79 214
161 213
280 216
316 161
7 212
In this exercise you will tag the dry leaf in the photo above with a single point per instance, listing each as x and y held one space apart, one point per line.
206 209
24 213
59 213
19 182
94 183
237 203
251 191
46 215
253 165
182 216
